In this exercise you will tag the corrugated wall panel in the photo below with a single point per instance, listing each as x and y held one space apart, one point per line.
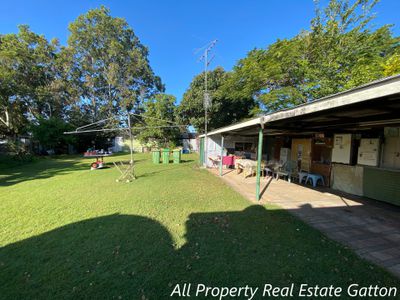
381 184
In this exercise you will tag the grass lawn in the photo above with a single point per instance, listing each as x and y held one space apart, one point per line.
68 232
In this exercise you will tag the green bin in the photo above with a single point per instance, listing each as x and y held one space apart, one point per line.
165 156
156 156
177 156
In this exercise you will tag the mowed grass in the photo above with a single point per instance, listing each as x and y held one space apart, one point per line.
68 232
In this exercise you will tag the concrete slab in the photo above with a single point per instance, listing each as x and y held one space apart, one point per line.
371 228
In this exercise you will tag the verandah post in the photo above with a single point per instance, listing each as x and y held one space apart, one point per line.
259 156
222 153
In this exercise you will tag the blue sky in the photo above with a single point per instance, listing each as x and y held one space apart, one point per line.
173 30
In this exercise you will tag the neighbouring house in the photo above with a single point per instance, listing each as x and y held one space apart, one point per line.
190 142
351 140
122 144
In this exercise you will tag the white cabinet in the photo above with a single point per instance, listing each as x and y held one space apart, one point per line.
341 151
368 152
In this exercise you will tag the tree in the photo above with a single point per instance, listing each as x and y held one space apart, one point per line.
156 121
339 52
392 64
26 71
49 132
110 64
226 107
344 50
274 77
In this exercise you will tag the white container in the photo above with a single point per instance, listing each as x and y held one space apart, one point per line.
368 152
341 151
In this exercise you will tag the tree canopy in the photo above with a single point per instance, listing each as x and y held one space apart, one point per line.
158 121
32 82
226 107
110 64
104 71
340 51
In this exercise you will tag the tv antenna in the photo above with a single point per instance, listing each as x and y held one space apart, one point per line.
207 98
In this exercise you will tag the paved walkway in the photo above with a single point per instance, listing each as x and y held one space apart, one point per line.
370 228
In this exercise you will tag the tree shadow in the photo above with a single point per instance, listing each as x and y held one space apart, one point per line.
163 169
185 161
44 168
127 256
51 166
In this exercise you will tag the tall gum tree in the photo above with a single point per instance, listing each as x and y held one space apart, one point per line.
110 64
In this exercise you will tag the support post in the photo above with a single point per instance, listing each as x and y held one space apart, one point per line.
130 138
202 152
222 153
259 156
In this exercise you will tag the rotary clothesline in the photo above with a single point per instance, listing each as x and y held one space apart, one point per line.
79 129
126 170
120 129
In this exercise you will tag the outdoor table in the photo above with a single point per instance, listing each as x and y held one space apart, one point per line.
99 163
248 165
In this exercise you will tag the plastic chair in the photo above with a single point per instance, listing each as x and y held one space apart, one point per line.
288 170
302 175
315 178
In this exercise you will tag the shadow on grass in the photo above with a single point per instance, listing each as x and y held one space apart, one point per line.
48 167
43 168
162 169
127 256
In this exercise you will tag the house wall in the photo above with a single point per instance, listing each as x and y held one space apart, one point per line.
214 145
230 140
190 144
379 183
213 148
121 144
301 151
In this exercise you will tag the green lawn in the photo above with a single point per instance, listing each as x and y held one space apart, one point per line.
68 232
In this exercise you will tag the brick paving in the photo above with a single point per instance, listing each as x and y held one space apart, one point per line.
371 228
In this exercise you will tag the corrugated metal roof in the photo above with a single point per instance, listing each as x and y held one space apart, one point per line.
372 90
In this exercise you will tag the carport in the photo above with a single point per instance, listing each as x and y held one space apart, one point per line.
363 110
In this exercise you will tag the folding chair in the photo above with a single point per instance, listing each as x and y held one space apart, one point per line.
215 161
127 171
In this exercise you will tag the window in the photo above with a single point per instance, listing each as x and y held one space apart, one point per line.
246 147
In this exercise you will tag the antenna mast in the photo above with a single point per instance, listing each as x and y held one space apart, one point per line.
207 98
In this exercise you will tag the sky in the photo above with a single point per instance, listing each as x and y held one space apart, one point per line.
173 30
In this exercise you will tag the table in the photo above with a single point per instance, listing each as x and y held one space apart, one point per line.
99 163
247 165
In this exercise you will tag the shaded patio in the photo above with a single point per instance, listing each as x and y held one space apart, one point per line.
370 228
